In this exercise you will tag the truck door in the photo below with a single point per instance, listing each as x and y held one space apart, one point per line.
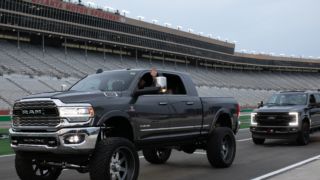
150 112
185 111
151 115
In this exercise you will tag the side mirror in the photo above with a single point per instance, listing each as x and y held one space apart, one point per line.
260 104
161 82
313 104
63 87
146 90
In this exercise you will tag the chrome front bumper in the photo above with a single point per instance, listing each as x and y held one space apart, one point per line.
38 141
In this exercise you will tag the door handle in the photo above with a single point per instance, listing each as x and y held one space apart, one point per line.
189 103
163 103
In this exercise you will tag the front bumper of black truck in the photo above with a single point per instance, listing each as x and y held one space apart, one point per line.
64 141
274 132
50 126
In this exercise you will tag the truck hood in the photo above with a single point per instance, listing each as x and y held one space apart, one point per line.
76 96
297 108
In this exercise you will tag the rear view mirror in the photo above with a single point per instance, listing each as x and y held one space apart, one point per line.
313 104
260 104
161 82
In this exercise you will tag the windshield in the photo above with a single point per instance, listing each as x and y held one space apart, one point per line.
287 99
106 81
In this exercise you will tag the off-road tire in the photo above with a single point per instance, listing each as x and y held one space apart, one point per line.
221 147
157 155
304 134
29 168
114 157
258 141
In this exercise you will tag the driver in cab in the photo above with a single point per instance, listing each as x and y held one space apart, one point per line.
149 80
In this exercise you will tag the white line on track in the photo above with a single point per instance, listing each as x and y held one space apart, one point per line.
293 166
9 155
242 140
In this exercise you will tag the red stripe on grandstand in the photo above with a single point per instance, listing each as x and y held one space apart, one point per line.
4 112
79 9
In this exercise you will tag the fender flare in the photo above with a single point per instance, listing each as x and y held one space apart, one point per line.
217 116
119 114
307 117
116 113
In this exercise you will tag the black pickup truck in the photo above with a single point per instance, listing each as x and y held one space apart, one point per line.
287 115
100 123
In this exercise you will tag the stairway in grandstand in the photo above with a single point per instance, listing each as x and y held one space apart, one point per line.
29 70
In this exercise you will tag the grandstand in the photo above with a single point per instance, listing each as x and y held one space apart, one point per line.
46 43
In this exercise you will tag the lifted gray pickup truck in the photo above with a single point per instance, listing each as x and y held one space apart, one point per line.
287 115
100 123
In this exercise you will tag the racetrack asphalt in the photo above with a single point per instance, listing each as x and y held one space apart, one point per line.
251 161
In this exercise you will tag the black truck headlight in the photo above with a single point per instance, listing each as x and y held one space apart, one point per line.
253 119
295 119
77 114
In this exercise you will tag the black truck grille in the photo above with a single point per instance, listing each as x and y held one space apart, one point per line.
273 119
36 113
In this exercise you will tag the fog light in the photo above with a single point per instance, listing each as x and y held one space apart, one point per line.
14 141
74 139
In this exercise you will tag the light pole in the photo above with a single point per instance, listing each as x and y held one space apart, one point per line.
91 4
140 18
108 9
125 12
167 25
190 30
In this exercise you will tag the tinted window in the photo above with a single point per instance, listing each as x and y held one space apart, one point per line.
175 84
312 99
317 96
289 99
106 81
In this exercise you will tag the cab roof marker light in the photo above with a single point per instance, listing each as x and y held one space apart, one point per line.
296 115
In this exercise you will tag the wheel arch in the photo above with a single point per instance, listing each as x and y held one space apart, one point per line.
223 118
117 124
306 119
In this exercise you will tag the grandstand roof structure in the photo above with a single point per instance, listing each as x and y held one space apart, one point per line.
46 43
71 24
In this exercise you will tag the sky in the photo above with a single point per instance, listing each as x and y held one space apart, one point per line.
287 27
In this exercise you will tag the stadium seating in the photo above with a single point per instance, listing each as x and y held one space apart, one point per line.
30 70
4 105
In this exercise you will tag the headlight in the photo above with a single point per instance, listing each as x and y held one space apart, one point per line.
295 119
76 114
253 119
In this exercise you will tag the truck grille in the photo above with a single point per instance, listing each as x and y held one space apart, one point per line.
36 113
273 119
